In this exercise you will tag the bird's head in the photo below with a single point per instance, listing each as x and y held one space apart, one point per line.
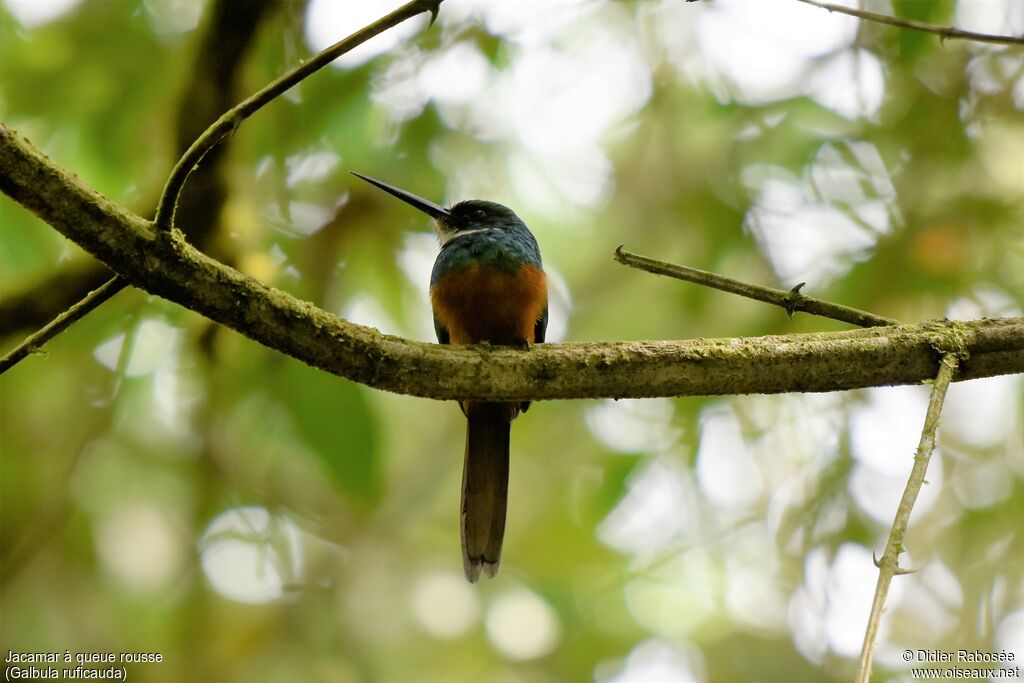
472 215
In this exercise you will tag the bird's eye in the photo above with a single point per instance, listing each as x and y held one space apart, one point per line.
479 213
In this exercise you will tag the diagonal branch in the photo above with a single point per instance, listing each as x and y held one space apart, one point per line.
231 119
62 322
943 32
164 264
888 566
792 300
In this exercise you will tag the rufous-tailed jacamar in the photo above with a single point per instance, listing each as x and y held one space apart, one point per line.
487 285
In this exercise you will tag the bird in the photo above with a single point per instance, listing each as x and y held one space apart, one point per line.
487 285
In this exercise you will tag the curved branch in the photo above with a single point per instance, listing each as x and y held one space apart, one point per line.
220 56
232 118
164 264
943 32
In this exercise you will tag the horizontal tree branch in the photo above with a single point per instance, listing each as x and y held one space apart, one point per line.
164 264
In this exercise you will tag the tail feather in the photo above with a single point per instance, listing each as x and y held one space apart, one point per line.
485 487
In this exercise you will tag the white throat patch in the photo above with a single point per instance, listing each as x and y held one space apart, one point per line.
447 236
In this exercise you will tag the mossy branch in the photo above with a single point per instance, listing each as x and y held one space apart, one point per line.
226 16
164 264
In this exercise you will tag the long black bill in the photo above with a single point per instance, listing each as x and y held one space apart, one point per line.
430 208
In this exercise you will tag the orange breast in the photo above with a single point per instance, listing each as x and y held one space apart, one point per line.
497 307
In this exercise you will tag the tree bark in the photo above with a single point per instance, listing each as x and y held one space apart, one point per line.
164 264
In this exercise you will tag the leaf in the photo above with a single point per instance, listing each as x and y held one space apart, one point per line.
333 419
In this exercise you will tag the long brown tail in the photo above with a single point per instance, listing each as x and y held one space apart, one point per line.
485 487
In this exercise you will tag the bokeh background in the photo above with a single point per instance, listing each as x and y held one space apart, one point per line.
170 486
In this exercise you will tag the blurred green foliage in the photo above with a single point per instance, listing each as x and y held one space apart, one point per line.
168 486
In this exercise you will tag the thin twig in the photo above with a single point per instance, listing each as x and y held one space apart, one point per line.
791 300
232 118
943 32
888 566
62 322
